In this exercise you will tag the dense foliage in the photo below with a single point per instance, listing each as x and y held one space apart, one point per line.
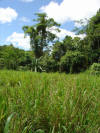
95 69
14 58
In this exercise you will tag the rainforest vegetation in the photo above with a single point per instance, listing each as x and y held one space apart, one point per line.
55 86
70 55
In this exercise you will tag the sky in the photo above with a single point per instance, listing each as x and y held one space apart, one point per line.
14 14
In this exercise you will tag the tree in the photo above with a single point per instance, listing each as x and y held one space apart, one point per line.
92 39
73 62
10 57
93 31
40 33
68 42
59 50
93 35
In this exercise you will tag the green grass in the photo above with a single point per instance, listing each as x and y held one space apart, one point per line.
49 103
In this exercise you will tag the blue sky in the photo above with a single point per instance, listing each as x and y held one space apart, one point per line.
16 13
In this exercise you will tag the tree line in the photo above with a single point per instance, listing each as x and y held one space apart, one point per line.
71 55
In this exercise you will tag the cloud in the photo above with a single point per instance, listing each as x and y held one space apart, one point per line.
64 32
24 19
70 10
27 1
81 23
7 15
18 40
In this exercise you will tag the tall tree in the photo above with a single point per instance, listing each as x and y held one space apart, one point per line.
92 39
93 31
40 33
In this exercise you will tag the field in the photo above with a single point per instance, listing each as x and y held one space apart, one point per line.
49 103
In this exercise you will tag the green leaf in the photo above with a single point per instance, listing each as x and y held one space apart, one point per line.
25 130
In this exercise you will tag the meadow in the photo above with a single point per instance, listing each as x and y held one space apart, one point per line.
49 102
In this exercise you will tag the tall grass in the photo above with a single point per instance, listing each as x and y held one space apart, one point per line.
49 103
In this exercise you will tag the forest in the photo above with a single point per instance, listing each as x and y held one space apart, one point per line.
70 55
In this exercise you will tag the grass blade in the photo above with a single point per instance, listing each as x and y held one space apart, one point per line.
6 129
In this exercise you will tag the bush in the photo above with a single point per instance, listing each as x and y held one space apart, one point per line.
48 64
95 69
73 62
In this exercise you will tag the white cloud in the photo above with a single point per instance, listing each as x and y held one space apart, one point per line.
7 15
78 25
27 0
24 19
64 33
71 9
81 23
18 40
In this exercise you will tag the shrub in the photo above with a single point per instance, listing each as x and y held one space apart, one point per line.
73 62
95 68
48 64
